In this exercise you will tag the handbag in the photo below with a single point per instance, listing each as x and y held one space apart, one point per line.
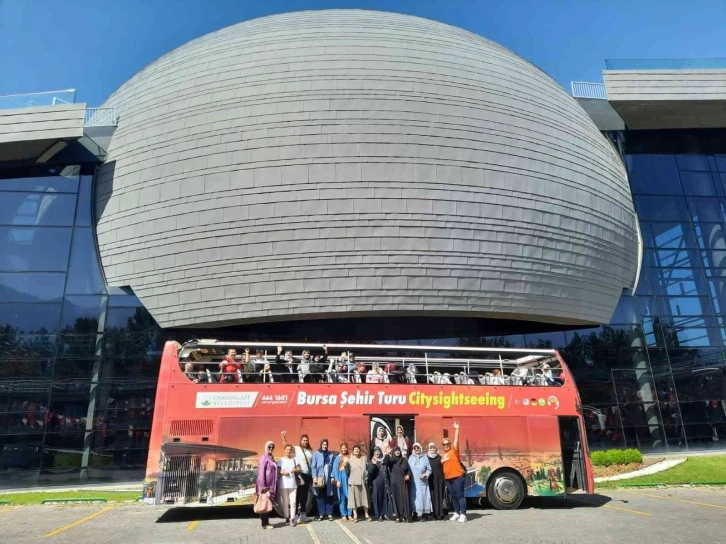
263 504
318 482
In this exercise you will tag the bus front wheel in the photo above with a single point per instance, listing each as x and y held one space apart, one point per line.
505 490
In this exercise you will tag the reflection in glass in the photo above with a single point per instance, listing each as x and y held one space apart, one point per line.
41 209
84 272
78 345
684 306
51 184
699 184
654 174
678 281
626 311
692 162
83 214
668 234
706 210
545 340
30 318
82 313
28 249
671 257
661 208
27 287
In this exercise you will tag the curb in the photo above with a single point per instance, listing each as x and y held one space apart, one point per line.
668 464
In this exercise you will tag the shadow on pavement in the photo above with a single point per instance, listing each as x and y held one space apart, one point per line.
182 515
570 502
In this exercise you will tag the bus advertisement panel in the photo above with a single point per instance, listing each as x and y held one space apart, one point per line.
207 437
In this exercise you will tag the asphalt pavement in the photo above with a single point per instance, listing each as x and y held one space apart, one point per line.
666 516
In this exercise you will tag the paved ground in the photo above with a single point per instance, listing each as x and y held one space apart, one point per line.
665 516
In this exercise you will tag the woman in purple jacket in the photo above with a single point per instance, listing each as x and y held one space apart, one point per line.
267 479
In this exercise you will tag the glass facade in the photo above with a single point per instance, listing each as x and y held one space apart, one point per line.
78 360
656 375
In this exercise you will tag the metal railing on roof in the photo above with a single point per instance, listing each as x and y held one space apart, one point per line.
583 89
100 117
665 64
32 100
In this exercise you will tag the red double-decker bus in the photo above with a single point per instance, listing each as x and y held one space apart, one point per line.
521 427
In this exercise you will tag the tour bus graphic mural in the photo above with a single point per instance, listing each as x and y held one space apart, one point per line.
207 437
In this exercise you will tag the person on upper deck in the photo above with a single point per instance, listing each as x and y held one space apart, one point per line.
229 368
285 369
549 377
376 374
317 367
497 378
258 363
190 372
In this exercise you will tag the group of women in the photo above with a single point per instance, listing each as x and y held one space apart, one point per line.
393 486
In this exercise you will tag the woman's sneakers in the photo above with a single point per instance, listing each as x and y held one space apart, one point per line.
462 518
454 517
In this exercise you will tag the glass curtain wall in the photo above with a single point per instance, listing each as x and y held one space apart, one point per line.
656 375
77 381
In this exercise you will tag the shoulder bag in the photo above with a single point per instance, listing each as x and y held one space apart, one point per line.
263 504
318 481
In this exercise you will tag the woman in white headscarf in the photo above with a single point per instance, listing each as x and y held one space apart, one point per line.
420 492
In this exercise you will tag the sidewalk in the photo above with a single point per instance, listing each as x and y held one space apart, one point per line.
116 486
679 454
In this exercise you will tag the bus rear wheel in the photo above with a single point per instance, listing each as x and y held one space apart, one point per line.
505 490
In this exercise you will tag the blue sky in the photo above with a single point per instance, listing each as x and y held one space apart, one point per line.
96 45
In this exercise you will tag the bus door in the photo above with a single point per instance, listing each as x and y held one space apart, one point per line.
383 429
573 454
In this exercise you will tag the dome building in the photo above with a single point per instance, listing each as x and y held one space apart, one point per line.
347 163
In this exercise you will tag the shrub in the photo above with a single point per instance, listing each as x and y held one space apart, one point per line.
616 457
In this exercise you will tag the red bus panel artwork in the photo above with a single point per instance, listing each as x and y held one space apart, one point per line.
519 418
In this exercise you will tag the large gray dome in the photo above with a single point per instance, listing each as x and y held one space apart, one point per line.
323 163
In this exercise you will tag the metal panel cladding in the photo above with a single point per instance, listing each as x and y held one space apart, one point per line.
348 162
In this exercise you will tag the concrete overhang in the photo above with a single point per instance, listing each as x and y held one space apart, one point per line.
39 132
602 113
668 99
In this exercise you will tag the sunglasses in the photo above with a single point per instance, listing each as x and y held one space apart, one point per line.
446 443
270 447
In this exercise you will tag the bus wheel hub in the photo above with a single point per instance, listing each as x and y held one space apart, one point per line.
505 490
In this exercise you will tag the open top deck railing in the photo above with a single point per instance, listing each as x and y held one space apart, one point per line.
584 89
33 100
202 362
665 64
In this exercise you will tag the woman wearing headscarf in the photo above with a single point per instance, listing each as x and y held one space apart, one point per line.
322 467
267 479
420 472
357 488
382 440
402 441
340 473
400 476
379 484
436 482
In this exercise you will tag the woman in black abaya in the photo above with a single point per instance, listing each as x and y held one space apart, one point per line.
436 482
380 487
400 476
